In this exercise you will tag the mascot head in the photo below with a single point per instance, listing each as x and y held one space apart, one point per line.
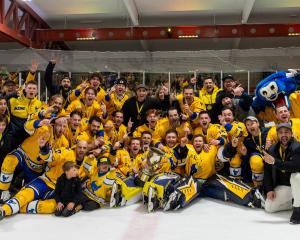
276 88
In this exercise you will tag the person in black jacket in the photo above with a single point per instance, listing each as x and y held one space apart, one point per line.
6 138
135 108
68 192
64 88
282 174
238 100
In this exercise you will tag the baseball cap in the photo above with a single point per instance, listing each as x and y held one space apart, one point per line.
141 86
251 118
121 81
284 125
103 160
229 76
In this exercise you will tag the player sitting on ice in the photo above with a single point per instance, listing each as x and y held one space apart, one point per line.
201 180
98 180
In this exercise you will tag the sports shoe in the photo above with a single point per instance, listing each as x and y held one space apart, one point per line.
115 198
153 202
295 218
4 196
258 199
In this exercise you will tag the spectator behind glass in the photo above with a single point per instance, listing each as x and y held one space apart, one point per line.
162 96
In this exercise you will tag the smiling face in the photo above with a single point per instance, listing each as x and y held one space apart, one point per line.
209 85
171 139
152 118
173 116
252 127
228 115
31 90
94 127
95 82
90 96
146 139
204 120
228 85
141 94
120 89
81 149
3 106
188 94
60 126
284 135
118 118
283 114
57 103
75 121
135 146
227 102
198 143
66 83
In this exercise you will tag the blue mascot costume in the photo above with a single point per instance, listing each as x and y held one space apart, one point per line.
275 90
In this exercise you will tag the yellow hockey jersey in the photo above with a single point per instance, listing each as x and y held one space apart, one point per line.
31 147
177 162
202 165
76 94
196 106
23 107
98 185
139 130
163 126
115 134
114 103
40 114
31 127
87 111
214 131
125 163
54 167
208 99
295 104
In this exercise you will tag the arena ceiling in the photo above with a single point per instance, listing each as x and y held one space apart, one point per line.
75 14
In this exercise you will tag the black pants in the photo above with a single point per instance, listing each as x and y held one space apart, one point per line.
88 204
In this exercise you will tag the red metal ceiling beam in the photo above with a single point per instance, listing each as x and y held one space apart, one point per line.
15 28
140 33
22 28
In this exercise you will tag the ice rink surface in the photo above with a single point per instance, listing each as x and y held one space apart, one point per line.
204 219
